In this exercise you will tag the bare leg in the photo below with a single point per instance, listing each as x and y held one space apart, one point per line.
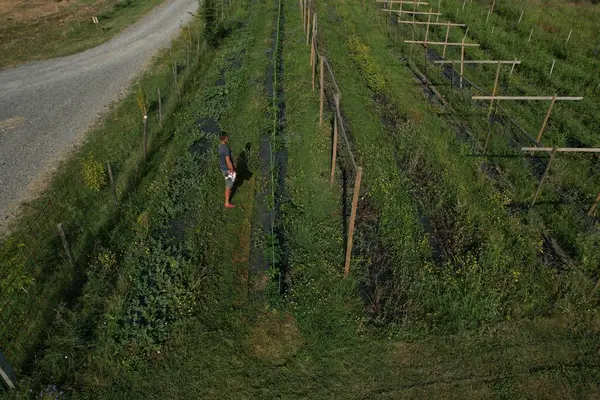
227 196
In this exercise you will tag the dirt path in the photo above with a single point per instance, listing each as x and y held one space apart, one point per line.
47 107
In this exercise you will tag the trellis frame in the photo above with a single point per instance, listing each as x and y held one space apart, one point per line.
552 99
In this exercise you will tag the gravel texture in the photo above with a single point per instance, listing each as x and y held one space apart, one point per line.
47 107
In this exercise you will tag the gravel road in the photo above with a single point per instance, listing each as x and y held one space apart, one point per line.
47 107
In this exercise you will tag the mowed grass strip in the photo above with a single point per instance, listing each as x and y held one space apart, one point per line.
42 29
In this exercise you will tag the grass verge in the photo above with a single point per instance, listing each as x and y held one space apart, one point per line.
48 29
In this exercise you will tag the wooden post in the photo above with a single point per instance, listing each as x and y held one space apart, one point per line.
539 136
426 38
175 79
569 37
113 187
539 189
493 5
462 61
594 206
413 37
312 52
145 138
512 68
357 182
490 130
7 374
488 17
446 41
160 117
336 98
322 89
65 244
552 67
521 17
314 69
530 35
495 88
308 30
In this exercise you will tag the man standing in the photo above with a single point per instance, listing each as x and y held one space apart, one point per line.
227 168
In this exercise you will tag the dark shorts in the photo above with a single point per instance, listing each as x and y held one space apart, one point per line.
228 180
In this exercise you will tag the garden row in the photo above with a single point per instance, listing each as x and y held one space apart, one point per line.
570 237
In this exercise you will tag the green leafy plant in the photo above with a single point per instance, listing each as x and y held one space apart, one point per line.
93 173
361 56
209 15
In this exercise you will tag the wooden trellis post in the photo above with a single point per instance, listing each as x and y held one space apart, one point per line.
336 98
313 67
553 100
539 189
594 206
426 38
553 151
541 132
446 41
160 117
321 89
145 123
308 28
490 130
65 244
113 187
495 87
462 61
357 183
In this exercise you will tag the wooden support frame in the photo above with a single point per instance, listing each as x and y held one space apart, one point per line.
357 181
562 149
548 166
446 41
442 43
321 88
336 98
425 46
448 24
412 12
497 77
416 3
527 98
594 206
478 61
541 132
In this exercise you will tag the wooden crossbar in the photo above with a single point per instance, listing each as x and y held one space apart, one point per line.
431 23
412 12
442 43
477 62
532 98
563 149
416 3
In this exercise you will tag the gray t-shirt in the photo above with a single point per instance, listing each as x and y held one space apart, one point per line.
224 152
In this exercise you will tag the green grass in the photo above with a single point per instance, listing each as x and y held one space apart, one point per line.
573 184
27 36
36 277
167 310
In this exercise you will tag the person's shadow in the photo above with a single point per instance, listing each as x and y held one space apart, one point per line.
242 172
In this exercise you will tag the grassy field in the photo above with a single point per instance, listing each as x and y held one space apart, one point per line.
450 294
41 29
